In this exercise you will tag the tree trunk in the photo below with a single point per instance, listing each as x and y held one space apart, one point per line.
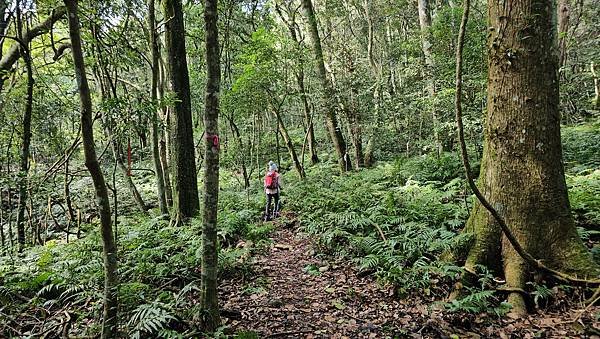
109 323
164 161
425 23
312 141
162 147
238 138
67 195
335 132
108 124
596 100
522 173
564 14
154 52
209 301
289 144
4 20
354 121
137 197
294 32
26 137
185 193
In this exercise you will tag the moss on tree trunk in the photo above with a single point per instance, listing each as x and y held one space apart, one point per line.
522 173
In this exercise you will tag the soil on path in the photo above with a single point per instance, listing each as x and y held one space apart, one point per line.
294 293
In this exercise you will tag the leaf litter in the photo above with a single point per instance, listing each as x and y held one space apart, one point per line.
294 294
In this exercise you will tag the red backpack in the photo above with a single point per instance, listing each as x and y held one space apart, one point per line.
271 180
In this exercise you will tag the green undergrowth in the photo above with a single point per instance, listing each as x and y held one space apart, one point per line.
159 273
399 219
581 147
388 221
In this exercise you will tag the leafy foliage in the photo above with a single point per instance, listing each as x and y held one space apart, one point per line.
397 231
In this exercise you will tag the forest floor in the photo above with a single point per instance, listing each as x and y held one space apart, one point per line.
293 292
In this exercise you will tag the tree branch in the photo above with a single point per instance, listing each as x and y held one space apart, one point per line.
13 54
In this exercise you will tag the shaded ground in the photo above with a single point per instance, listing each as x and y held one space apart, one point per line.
294 294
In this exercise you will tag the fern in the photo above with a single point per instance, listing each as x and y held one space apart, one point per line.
149 319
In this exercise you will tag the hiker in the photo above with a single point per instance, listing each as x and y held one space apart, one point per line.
272 185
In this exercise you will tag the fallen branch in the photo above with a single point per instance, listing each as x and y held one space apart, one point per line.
288 333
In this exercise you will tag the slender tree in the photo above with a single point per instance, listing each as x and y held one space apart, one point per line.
564 15
26 136
185 191
294 30
522 175
288 141
335 132
109 321
426 44
154 68
209 301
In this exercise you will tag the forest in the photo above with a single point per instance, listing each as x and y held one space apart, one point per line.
299 169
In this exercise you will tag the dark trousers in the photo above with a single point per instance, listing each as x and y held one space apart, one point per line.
275 198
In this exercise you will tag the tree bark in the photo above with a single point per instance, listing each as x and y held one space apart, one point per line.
354 120
185 191
564 14
154 54
163 149
335 132
425 23
522 174
209 301
26 137
109 321
4 21
596 100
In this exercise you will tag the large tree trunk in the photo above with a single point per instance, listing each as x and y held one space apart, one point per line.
185 193
109 324
425 23
335 132
209 301
522 173
26 137
154 53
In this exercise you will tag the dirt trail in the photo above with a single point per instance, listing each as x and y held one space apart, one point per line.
294 294
286 299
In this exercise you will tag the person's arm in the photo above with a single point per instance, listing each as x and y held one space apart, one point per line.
280 181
